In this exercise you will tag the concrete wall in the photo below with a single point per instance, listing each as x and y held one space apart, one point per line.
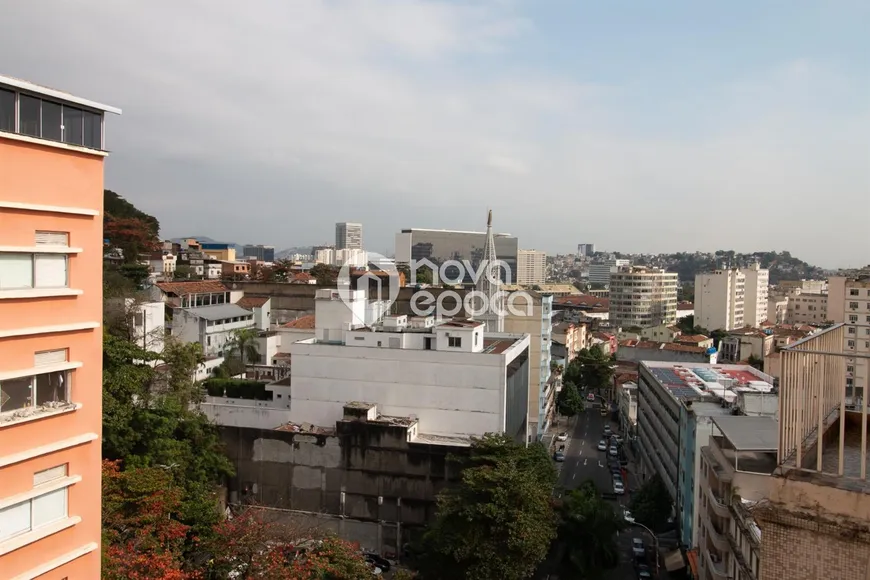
633 354
384 486
246 413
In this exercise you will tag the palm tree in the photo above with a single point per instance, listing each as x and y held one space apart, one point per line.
244 344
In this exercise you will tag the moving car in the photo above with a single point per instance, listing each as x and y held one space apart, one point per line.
644 573
618 488
563 436
608 431
604 409
590 397
626 515
602 445
559 456
637 548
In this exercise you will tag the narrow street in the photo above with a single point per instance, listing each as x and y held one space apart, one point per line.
583 461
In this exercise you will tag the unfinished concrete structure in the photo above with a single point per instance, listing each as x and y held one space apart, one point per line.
372 479
816 521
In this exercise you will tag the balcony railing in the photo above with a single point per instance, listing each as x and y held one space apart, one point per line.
717 568
719 507
718 538
738 556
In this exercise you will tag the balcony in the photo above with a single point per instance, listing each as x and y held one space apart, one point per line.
719 507
717 569
738 556
718 538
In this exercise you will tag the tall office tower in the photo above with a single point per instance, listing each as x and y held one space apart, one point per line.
720 299
259 252
348 236
52 151
440 246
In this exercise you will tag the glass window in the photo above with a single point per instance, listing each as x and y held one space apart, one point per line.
16 394
52 118
14 520
93 133
7 110
73 124
51 388
49 507
16 271
28 115
50 271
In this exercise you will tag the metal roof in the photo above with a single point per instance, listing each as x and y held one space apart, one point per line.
219 311
750 433
54 93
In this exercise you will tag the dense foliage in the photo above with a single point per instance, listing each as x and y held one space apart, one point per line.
651 504
570 401
588 530
237 389
782 265
498 523
591 369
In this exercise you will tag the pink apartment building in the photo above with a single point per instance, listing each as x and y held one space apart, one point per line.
52 150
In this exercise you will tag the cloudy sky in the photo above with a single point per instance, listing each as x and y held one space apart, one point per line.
640 126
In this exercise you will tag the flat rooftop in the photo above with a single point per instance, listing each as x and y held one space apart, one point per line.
693 381
750 433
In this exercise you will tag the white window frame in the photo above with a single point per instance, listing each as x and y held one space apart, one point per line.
66 375
34 260
32 497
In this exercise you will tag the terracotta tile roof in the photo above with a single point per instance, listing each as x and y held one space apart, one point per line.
250 302
630 342
685 305
302 323
583 301
303 277
692 338
674 328
602 335
675 346
192 287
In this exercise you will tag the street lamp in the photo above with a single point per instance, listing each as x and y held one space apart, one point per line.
655 544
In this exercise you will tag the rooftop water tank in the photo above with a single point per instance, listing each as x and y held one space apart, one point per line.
711 350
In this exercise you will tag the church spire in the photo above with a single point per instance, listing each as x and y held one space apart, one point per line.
489 284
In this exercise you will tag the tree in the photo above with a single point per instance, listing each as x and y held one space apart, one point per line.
324 274
651 504
588 529
498 522
569 401
244 345
687 326
591 369
141 539
184 273
133 236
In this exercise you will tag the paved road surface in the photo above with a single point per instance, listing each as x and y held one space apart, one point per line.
583 461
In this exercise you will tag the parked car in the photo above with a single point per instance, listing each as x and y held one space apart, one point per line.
608 431
618 488
615 469
614 452
637 548
590 397
643 572
602 445
559 456
616 439
604 409
563 436
626 515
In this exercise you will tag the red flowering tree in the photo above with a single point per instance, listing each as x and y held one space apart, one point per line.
141 540
133 236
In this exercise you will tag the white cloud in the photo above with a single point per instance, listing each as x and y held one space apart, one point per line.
373 105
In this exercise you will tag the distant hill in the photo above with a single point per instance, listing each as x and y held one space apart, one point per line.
115 206
782 265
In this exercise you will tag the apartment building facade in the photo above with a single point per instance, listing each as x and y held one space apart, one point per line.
52 152
720 299
806 308
531 267
849 303
643 297
757 284
599 274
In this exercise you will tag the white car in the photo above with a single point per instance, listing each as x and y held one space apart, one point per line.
626 515
602 445
618 488
590 397
562 436
613 451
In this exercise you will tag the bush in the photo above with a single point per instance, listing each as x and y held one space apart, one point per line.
238 389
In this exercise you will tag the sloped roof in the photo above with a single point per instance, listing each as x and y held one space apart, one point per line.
253 301
192 287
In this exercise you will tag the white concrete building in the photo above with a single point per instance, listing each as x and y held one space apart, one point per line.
849 303
806 308
211 326
720 299
531 267
455 380
757 280
643 297
777 309
149 324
